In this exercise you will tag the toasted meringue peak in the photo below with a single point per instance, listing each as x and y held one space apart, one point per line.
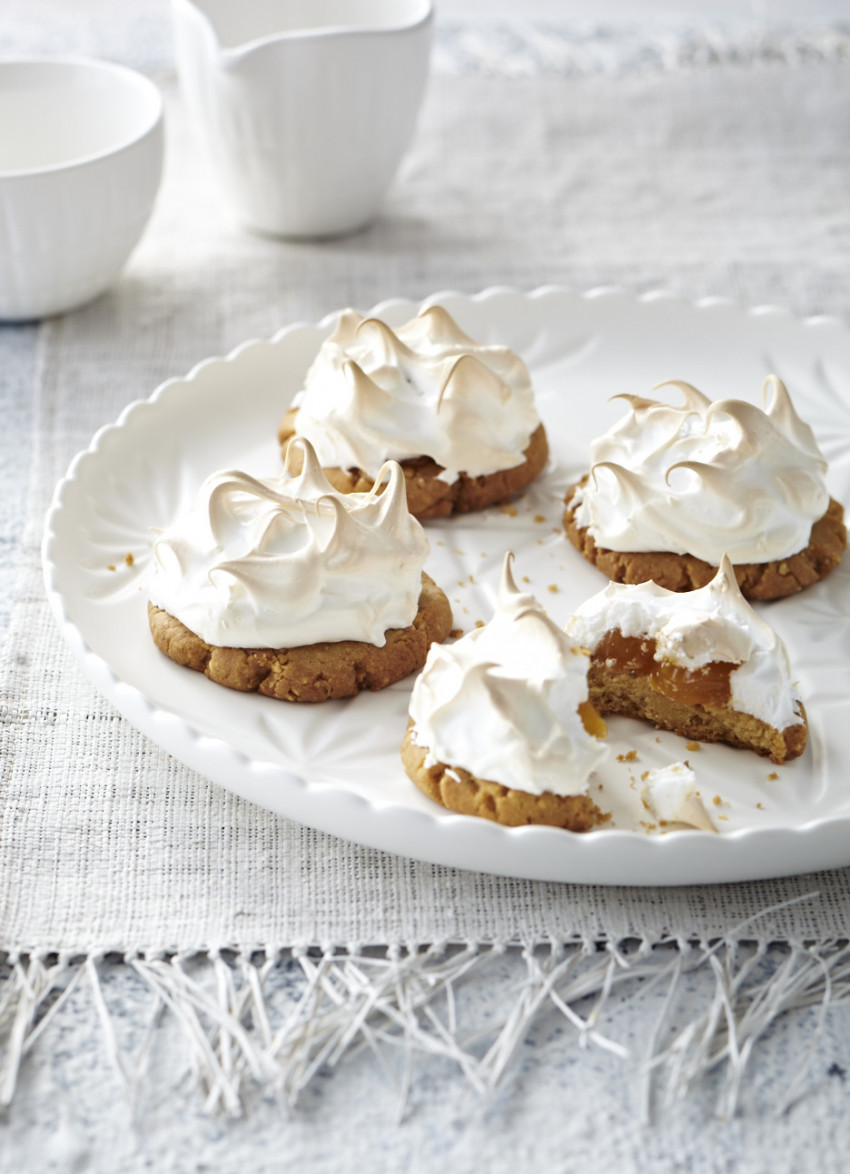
290 561
503 701
423 389
704 478
696 628
694 399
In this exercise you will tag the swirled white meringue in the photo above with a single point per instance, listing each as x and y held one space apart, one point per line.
502 702
426 389
706 479
285 562
695 628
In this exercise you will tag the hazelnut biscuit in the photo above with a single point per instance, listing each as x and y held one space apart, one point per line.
685 572
636 696
427 495
460 791
312 672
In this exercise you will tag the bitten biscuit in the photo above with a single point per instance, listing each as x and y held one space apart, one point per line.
313 672
462 792
427 495
684 572
635 696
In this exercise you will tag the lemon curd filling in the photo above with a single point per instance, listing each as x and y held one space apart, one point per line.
635 656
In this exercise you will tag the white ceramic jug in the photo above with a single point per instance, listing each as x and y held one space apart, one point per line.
307 106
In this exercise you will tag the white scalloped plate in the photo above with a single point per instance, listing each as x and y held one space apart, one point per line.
336 766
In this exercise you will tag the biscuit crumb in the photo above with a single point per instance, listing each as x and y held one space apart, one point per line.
128 559
456 633
510 510
629 756
644 776
539 518
479 623
717 801
759 806
553 587
692 746
526 579
773 775
111 567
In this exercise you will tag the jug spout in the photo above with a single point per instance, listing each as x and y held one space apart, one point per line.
224 32
237 30
207 42
193 27
306 106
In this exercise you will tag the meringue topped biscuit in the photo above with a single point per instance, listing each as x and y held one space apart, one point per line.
703 664
500 724
673 488
290 589
458 415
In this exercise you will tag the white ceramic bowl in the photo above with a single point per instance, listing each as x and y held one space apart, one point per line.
80 164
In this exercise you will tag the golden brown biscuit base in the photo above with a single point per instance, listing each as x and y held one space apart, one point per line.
427 495
314 672
684 572
635 696
462 792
